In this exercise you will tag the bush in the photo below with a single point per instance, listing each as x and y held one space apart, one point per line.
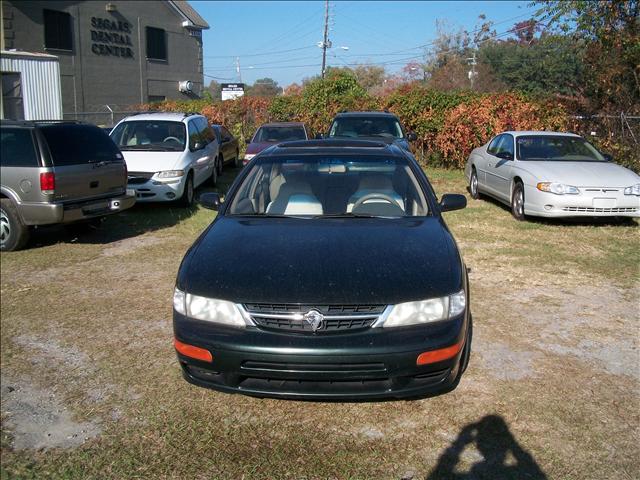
448 124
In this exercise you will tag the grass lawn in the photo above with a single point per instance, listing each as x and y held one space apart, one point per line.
91 387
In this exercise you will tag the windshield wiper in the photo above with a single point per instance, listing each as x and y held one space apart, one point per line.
146 148
349 215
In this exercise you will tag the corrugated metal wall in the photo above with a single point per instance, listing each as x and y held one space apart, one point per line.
41 92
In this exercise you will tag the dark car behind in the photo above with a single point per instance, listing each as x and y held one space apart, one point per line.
272 133
377 126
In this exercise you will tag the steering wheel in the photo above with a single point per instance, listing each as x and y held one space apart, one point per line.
169 139
372 196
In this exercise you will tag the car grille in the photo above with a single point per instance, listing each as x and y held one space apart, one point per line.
600 210
290 317
137 178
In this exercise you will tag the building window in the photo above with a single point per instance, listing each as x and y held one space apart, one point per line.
156 98
156 44
57 30
12 105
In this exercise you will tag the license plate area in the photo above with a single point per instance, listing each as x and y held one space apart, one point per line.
605 203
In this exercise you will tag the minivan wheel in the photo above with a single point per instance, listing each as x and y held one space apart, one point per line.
473 185
13 233
187 196
517 202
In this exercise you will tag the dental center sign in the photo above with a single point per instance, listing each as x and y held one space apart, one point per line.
110 37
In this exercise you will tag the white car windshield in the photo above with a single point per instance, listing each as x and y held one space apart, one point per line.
365 127
160 135
340 186
556 147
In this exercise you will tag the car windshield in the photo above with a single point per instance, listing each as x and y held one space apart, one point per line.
556 148
366 127
330 186
279 134
150 135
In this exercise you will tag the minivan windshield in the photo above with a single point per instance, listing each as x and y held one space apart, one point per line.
556 148
155 135
358 126
330 186
279 134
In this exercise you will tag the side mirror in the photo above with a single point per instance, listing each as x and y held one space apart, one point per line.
505 155
412 137
452 201
608 157
198 146
319 136
211 201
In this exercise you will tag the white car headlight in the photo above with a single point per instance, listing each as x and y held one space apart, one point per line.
558 188
170 174
208 309
425 311
632 190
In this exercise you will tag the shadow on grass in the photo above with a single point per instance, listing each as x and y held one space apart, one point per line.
503 457
140 219
565 221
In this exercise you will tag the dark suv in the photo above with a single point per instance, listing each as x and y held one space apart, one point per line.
378 126
57 172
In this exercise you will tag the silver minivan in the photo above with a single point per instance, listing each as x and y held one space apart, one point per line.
57 172
168 155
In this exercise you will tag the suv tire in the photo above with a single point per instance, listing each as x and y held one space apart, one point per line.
188 195
13 233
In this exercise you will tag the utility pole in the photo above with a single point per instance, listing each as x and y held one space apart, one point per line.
238 69
472 73
325 39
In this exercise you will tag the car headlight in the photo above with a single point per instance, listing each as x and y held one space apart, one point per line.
426 311
170 174
557 188
632 190
249 156
207 309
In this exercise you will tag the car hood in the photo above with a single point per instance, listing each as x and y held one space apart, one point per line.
582 174
151 161
255 148
322 261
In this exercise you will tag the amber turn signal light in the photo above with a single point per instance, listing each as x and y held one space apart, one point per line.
192 351
439 355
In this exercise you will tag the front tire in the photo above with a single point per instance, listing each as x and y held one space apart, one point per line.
473 185
13 233
517 202
188 195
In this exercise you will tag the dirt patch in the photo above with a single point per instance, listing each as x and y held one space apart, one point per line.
504 362
37 420
129 245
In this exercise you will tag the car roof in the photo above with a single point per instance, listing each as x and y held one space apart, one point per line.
519 133
39 123
366 114
334 147
282 124
167 116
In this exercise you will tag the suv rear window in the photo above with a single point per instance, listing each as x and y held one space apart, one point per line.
17 148
77 144
279 134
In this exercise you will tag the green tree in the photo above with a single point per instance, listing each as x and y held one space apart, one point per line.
264 87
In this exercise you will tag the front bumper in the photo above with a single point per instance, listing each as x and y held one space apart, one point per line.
590 202
376 363
159 191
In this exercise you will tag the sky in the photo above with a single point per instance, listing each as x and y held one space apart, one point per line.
279 40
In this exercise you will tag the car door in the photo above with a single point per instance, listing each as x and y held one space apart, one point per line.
499 162
198 153
228 147
483 160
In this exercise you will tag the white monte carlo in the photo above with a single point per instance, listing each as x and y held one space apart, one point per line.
168 155
549 174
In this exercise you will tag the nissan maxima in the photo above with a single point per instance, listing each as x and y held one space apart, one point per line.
549 174
328 273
